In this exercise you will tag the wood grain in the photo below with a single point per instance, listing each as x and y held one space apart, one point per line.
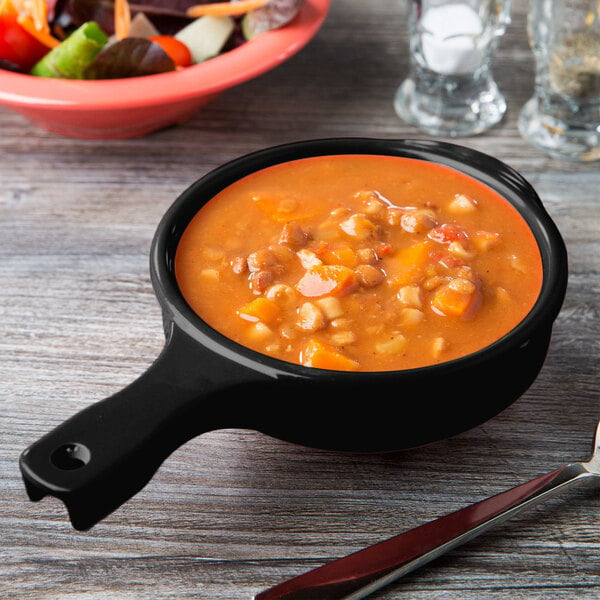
234 511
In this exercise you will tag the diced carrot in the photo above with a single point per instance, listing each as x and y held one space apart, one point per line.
225 8
260 309
323 356
281 209
454 300
323 280
407 265
343 255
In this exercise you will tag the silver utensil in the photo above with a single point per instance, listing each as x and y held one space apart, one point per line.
359 574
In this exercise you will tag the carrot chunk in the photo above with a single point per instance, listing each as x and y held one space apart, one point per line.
260 309
324 280
459 298
406 265
280 208
342 255
323 356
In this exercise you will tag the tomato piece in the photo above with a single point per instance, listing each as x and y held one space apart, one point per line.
18 46
177 51
447 233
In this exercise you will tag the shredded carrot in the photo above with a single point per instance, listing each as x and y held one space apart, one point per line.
42 36
32 16
122 19
221 9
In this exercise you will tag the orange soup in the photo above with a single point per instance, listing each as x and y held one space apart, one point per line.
360 262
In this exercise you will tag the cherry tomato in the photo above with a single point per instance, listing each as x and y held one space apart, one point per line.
18 46
177 51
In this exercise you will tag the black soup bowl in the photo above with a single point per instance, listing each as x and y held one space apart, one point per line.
203 381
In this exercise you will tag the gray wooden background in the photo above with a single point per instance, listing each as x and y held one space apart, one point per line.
233 512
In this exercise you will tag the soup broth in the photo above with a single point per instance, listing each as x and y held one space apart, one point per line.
359 262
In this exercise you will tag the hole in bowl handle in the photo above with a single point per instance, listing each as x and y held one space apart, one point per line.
103 455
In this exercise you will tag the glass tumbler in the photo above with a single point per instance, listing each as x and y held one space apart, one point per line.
450 90
562 118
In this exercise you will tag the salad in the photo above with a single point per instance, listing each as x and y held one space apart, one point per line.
113 39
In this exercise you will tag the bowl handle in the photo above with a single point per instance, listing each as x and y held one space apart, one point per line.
102 456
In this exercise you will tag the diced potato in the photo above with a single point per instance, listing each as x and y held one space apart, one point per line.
274 347
374 330
503 295
394 345
410 295
311 317
462 204
260 309
517 264
323 356
331 307
485 240
342 338
210 275
206 36
341 323
308 258
327 231
409 317
359 227
431 283
462 285
466 272
458 249
438 346
260 332
212 254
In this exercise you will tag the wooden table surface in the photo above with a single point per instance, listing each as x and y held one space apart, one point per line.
234 511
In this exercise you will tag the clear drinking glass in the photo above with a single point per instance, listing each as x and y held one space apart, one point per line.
450 89
563 117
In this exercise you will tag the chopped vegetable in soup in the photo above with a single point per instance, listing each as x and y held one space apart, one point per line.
360 262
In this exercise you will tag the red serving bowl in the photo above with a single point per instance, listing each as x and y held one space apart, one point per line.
125 108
